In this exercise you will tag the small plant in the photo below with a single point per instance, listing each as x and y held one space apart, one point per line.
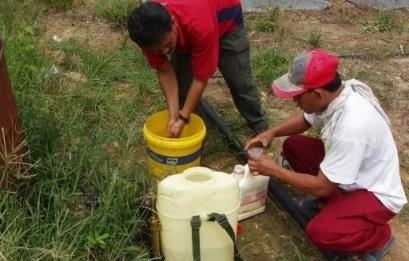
273 13
268 23
314 39
385 22
369 27
97 241
265 26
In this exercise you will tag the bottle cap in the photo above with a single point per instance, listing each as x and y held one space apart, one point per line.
239 170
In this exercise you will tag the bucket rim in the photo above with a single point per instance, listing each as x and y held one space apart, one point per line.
184 142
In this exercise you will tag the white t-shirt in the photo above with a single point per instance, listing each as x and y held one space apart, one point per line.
361 153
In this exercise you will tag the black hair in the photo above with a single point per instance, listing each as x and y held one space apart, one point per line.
148 24
334 84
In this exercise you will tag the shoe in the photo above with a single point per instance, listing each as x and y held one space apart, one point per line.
375 255
308 205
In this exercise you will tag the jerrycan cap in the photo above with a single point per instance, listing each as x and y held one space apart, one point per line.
199 176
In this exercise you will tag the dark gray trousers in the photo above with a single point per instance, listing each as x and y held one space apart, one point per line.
234 64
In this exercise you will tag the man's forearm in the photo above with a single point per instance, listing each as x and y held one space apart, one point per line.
168 82
293 125
316 185
193 96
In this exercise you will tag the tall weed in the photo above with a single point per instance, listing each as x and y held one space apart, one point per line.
115 11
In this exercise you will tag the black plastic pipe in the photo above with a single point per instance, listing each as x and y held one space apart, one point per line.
274 189
213 117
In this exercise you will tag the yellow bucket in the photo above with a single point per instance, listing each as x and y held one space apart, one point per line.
168 156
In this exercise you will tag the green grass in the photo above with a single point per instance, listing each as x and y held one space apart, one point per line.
70 127
116 11
59 4
269 65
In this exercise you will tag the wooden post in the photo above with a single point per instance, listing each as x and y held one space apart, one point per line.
11 142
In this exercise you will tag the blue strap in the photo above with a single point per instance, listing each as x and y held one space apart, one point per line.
174 161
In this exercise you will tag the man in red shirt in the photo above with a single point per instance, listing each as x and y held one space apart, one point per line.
198 37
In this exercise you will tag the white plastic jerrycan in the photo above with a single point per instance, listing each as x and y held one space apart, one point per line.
253 190
198 191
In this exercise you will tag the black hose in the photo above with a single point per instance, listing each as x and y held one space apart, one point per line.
213 117
275 191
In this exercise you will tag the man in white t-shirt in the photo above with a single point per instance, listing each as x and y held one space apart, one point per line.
352 171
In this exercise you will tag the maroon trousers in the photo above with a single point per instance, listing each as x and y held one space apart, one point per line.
350 222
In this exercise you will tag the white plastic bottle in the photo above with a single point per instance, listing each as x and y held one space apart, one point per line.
253 190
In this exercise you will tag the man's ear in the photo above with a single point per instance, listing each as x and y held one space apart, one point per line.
173 20
321 93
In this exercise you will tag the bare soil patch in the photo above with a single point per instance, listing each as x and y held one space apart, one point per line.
83 25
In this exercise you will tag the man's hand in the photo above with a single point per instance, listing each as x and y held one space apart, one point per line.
296 124
315 184
263 165
261 140
171 122
175 127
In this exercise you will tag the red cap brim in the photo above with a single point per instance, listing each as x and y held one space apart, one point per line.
284 89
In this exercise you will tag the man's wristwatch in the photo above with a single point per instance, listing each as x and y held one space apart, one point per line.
184 119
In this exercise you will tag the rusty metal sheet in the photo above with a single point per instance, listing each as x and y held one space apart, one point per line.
11 149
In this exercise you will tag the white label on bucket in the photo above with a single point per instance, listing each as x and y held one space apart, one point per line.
172 161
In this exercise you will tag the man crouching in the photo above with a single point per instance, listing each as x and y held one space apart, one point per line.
352 172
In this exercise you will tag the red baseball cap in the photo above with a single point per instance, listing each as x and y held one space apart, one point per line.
309 70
